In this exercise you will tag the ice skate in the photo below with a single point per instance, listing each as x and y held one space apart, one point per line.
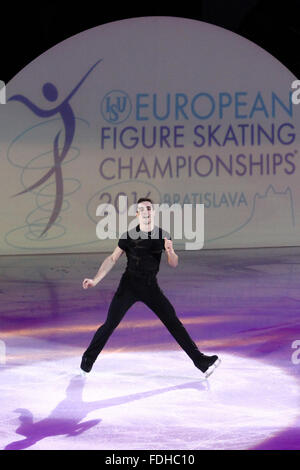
85 366
207 364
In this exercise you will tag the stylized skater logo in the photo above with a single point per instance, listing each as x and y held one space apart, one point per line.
64 109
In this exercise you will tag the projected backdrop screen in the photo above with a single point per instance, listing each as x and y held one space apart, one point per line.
174 109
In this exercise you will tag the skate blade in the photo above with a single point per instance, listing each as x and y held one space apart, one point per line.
212 368
83 373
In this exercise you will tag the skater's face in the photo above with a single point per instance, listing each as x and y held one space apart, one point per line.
145 213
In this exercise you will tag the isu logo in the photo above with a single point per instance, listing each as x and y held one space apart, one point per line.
116 106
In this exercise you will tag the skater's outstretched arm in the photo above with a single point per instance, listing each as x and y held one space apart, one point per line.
172 257
105 267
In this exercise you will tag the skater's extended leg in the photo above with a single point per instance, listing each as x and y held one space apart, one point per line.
163 308
123 299
165 311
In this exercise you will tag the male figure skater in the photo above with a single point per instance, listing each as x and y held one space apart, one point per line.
139 282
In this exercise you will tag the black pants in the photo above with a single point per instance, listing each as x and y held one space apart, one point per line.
131 289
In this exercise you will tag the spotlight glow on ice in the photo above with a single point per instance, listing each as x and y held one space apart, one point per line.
143 400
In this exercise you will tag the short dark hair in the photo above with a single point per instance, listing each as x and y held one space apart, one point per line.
143 199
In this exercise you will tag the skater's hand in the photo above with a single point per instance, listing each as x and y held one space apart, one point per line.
88 283
171 255
168 245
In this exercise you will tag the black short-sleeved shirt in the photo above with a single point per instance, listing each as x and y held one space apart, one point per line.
143 249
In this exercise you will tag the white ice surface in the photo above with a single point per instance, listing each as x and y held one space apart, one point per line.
143 400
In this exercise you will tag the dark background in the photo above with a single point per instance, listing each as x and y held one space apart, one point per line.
28 30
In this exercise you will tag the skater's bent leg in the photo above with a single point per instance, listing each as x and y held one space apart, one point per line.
165 311
119 305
